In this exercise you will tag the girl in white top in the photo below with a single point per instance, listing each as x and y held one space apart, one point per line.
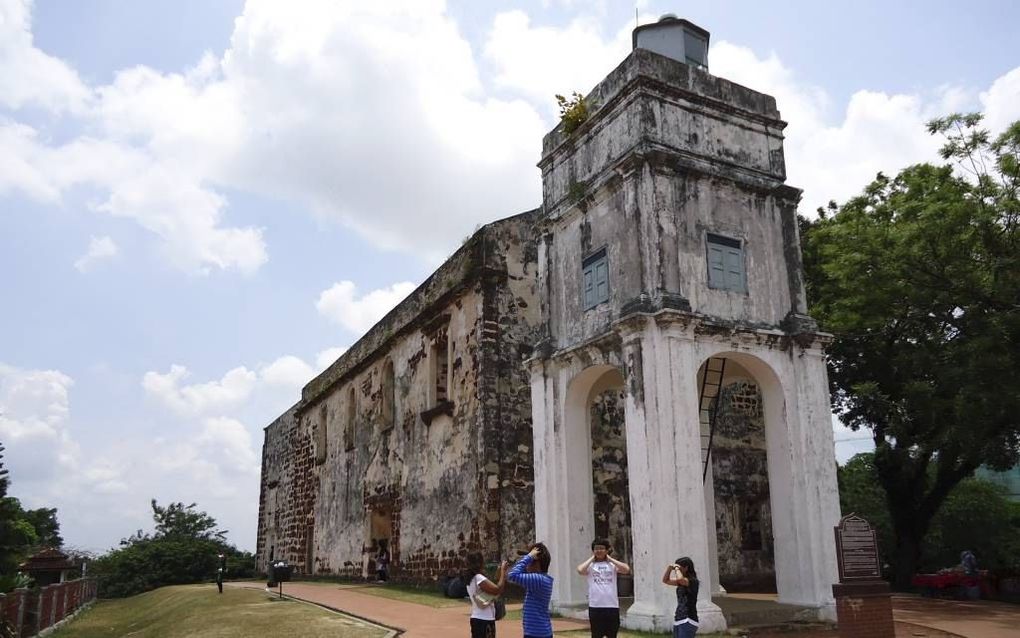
482 592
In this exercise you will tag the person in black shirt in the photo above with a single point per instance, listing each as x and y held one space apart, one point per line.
682 575
221 571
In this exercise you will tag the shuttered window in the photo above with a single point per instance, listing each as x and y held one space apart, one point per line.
595 279
726 264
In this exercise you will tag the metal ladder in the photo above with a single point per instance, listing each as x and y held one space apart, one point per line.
708 407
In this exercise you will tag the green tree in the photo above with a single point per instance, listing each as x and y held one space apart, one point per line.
47 527
919 279
977 515
178 520
860 493
182 550
18 529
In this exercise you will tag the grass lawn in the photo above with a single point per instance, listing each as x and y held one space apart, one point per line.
198 611
393 591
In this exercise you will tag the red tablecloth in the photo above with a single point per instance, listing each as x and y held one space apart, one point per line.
949 580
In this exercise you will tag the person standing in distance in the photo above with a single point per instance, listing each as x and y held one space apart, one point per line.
681 575
531 573
603 599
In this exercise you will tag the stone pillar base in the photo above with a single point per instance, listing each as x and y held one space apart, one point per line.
650 618
864 610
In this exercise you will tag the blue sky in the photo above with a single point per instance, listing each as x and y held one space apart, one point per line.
203 203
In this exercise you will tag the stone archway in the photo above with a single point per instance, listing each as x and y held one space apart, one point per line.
779 445
739 484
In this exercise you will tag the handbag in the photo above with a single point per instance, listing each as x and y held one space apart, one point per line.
497 603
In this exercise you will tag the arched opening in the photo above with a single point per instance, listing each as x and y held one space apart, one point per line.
610 485
597 478
742 424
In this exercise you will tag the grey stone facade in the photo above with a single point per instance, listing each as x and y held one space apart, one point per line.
500 401
419 434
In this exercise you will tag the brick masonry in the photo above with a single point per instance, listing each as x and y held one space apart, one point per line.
864 610
29 611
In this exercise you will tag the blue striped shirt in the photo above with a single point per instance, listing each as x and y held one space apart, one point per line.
537 593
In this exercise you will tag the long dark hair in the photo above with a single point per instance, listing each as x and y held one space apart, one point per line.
474 564
688 566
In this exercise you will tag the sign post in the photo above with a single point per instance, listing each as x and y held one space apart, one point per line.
863 599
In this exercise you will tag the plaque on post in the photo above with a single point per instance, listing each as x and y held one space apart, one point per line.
863 603
856 550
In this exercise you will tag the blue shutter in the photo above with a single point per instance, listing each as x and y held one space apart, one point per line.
589 287
601 281
716 267
733 259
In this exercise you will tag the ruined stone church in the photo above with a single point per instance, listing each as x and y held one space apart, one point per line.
632 359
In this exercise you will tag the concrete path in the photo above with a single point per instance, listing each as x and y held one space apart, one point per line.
970 619
415 620
915 616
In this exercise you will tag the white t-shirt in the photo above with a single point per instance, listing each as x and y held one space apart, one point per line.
602 585
481 613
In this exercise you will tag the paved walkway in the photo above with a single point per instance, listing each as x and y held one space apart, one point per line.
415 620
915 616
971 619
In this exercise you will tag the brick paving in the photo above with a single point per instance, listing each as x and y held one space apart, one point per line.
413 619
916 617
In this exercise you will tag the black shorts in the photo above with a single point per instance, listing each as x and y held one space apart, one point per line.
605 621
483 628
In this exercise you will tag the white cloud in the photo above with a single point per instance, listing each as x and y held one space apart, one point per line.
99 248
1001 102
328 356
212 397
287 371
340 304
370 114
35 429
540 62
33 403
28 76
227 440
876 131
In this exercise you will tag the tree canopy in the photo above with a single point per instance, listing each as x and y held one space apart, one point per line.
975 504
22 531
919 279
183 549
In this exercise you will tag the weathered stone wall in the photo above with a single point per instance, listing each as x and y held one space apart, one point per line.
421 434
669 154
287 493
609 472
740 476
511 325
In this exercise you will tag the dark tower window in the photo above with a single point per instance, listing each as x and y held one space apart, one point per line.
352 411
595 279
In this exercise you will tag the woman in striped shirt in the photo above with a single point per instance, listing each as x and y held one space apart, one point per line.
531 573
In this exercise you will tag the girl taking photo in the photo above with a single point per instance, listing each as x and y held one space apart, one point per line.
483 593
681 575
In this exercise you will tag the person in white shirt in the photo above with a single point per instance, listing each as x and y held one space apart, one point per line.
603 600
482 593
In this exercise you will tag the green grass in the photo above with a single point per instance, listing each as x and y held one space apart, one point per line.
198 611
404 593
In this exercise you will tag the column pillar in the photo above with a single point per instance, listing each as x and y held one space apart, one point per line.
666 489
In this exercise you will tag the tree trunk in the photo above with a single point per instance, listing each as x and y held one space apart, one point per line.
906 557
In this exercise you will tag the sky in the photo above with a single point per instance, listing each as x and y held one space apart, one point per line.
202 204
